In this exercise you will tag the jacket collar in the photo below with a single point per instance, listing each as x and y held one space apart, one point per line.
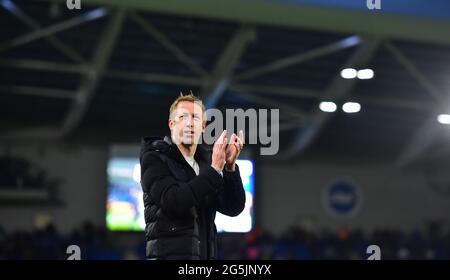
201 154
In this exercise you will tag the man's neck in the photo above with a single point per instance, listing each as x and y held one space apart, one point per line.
187 150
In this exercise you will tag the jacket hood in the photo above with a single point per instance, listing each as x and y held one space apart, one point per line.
155 143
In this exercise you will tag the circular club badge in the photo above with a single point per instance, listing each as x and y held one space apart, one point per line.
342 198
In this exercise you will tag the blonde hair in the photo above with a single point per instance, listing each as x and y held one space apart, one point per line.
188 97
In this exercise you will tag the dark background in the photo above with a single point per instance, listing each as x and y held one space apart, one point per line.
75 82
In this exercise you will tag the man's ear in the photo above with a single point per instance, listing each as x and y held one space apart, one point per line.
171 124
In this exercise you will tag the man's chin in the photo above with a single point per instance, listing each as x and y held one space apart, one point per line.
189 142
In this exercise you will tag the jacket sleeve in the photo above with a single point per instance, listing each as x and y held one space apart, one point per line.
231 200
175 197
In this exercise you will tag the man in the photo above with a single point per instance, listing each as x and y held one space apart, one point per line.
184 185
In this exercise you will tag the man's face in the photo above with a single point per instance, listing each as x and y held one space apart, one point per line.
186 123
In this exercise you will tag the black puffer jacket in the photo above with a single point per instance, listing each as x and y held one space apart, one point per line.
180 207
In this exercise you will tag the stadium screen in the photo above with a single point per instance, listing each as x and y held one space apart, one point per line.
125 207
